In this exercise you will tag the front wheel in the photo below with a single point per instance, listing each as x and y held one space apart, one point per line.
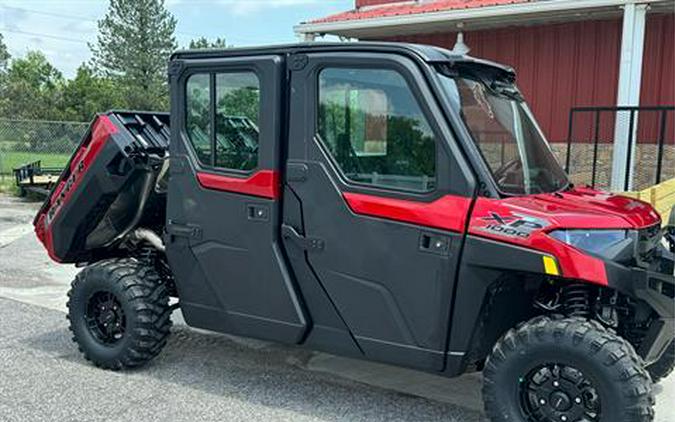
566 370
119 313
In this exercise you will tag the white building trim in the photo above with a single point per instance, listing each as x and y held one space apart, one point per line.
628 92
519 11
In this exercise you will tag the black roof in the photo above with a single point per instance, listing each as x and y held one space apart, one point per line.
428 53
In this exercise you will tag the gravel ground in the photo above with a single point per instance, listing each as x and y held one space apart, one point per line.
199 376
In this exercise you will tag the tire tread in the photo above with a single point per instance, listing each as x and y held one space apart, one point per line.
611 350
147 294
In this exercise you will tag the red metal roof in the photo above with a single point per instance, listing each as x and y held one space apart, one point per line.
408 8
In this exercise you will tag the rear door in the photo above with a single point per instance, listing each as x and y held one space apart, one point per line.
384 198
223 212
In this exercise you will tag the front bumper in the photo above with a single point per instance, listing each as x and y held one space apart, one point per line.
657 290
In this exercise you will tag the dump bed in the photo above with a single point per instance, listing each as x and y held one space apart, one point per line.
106 186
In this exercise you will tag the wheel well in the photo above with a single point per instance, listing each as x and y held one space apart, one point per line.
515 298
508 302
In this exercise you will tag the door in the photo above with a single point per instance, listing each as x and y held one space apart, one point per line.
223 202
384 197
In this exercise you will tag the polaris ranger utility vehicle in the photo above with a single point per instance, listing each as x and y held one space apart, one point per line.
390 202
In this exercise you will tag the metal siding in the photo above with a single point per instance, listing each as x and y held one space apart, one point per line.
658 75
558 66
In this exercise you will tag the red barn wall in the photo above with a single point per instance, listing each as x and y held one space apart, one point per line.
558 66
572 64
658 77
658 71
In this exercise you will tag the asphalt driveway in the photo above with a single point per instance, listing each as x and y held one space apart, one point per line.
199 376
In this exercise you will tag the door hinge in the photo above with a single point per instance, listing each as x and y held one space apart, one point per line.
298 61
307 243
184 230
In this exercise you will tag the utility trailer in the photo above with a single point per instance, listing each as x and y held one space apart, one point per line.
35 178
382 201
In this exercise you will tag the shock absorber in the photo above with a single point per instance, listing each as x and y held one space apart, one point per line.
576 300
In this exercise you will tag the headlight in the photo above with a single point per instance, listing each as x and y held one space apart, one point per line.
612 244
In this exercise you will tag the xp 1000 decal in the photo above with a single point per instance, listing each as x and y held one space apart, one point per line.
516 225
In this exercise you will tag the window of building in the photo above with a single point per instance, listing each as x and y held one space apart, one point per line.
375 130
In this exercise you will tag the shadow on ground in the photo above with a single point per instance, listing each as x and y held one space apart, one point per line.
266 375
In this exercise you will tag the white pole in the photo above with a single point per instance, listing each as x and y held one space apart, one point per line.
628 94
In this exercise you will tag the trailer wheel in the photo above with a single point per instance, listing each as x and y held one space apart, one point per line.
664 366
565 370
119 313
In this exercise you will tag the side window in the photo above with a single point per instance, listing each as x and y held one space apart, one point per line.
237 110
230 125
198 113
375 130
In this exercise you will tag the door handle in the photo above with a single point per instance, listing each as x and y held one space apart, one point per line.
258 212
434 243
306 243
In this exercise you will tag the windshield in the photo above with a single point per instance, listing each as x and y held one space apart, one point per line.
507 136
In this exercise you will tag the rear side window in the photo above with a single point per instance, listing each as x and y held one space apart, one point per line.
222 119
237 109
198 123
375 130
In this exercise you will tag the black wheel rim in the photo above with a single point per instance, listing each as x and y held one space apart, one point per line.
105 318
558 393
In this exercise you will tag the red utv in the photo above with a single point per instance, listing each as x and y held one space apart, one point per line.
389 202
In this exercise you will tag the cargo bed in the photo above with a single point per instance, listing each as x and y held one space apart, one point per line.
106 187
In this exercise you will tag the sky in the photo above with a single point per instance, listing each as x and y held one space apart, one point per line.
62 28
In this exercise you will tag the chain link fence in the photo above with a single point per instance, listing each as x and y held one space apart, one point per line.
26 141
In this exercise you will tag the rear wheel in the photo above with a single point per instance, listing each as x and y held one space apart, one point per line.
119 313
565 370
664 366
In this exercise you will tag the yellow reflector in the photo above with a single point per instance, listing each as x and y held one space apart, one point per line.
551 266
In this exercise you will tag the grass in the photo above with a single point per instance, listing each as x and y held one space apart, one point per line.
11 159
7 185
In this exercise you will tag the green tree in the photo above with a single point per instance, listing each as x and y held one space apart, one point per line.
135 40
4 61
202 42
4 55
31 88
88 94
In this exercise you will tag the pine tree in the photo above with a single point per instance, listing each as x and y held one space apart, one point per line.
135 40
202 42
4 55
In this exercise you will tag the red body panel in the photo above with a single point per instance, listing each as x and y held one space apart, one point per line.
577 209
263 183
447 213
103 128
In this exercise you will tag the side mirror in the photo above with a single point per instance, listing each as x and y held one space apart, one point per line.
671 220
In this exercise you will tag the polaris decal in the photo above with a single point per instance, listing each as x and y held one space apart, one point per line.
70 182
520 226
